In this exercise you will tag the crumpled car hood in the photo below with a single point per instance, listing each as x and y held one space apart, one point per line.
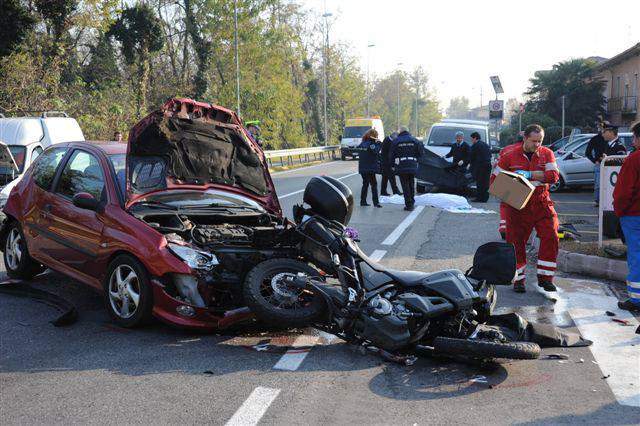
193 145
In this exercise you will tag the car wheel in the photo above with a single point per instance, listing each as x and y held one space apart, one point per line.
344 157
128 294
558 186
17 261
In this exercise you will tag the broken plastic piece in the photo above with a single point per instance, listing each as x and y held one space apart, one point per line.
609 313
580 361
557 356
606 377
621 321
638 330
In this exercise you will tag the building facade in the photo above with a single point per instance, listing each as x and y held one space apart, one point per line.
622 90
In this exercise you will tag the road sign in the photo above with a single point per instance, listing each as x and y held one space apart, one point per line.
497 86
496 109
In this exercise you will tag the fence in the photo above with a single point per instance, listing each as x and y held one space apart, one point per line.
282 157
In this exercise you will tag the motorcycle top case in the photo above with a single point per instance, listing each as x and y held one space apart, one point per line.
494 263
329 198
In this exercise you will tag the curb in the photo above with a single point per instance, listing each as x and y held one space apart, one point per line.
594 266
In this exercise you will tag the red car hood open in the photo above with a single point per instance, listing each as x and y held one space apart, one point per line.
194 145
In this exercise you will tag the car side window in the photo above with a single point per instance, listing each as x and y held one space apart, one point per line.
36 153
45 169
82 173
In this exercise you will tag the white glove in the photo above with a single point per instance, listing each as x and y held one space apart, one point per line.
460 163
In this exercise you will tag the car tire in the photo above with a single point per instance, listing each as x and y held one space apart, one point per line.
558 186
343 157
17 261
121 288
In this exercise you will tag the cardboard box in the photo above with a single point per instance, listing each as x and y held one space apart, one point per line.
512 189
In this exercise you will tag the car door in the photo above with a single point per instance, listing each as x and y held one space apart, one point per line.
76 234
577 167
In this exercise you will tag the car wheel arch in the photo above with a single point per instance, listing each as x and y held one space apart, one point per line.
120 252
5 228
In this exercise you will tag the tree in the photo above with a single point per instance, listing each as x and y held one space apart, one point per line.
458 107
15 24
138 30
575 79
102 69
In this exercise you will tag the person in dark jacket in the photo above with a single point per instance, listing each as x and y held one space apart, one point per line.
459 151
480 165
595 150
404 155
387 167
368 165
614 145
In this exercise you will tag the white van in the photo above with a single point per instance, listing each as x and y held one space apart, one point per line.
22 139
443 134
354 129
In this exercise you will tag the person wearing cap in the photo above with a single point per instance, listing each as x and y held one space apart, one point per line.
459 151
595 150
614 145
387 167
480 165
404 154
626 205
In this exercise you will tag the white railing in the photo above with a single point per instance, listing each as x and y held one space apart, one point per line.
301 155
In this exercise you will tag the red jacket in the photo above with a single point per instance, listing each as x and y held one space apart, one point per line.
626 194
542 160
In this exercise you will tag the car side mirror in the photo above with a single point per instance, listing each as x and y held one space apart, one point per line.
570 156
86 201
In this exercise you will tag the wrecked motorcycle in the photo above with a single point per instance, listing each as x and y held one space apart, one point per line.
364 303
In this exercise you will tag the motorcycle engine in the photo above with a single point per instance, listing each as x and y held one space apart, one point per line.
385 324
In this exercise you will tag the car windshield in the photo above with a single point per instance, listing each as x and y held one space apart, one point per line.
446 136
18 152
119 162
199 199
355 132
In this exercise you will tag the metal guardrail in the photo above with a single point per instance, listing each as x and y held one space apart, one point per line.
301 155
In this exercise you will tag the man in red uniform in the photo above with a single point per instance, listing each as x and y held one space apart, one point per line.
538 164
502 226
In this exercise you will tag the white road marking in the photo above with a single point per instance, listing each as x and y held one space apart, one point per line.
393 237
252 410
587 302
302 190
292 359
377 255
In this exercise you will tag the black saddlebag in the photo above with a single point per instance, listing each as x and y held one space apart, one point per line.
494 263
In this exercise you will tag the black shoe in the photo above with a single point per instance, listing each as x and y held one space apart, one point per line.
519 287
628 305
365 204
378 206
547 285
386 194
408 208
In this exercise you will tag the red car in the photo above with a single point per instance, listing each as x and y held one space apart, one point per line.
166 226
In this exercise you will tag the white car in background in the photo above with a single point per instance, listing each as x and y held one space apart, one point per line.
22 140
443 134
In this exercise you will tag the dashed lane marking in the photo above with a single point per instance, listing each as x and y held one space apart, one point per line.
393 236
377 255
302 190
300 348
252 410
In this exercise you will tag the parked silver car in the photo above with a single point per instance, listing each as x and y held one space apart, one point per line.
575 168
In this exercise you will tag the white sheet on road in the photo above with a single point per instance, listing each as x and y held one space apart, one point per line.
448 202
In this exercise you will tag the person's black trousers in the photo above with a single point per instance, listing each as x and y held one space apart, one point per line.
369 179
390 178
407 181
483 175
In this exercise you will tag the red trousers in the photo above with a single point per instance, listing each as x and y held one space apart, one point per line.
541 215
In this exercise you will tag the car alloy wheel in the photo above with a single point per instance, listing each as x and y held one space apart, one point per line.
13 250
124 291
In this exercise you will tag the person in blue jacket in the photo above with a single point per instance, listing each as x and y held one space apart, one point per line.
404 156
369 165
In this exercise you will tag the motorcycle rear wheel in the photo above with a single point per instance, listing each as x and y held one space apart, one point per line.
276 303
484 349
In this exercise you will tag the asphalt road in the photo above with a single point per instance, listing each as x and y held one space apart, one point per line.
95 373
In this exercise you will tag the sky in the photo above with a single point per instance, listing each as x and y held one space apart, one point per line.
460 43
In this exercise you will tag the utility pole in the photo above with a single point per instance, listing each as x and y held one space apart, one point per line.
562 115
324 73
417 114
235 20
368 49
398 112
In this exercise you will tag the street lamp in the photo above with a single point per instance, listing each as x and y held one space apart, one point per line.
324 73
398 112
235 35
368 49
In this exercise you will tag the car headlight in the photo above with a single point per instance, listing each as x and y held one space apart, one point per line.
195 259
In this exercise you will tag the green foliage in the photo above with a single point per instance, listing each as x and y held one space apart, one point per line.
56 14
574 79
138 30
458 107
509 134
15 24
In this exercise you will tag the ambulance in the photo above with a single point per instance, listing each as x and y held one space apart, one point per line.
354 129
